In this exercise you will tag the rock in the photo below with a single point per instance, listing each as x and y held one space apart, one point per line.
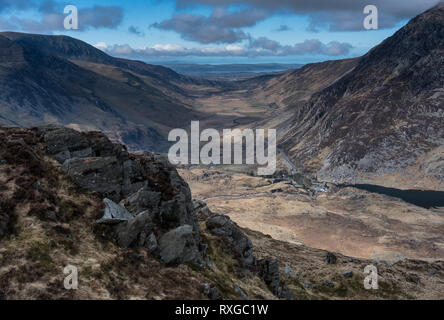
214 294
142 200
330 258
147 187
114 213
128 232
64 144
241 292
179 246
348 274
201 210
3 162
103 175
289 271
328 284
151 243
285 292
413 278
211 292
432 271
238 242
268 270
307 285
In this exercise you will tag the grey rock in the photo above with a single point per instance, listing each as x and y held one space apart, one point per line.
211 292
4 223
103 175
328 284
330 258
114 213
268 270
238 242
179 246
348 274
62 141
241 292
289 271
285 292
214 294
142 200
128 232
432 271
151 243
201 210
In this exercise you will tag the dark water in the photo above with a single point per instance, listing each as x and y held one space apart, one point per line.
425 199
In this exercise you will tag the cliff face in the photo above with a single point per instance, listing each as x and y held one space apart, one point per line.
382 122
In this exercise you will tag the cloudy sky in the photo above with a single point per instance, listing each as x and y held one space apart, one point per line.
217 31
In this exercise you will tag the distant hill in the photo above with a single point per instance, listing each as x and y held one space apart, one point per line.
230 72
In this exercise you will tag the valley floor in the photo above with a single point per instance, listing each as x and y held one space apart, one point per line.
346 220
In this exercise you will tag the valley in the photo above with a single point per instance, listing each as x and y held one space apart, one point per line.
360 166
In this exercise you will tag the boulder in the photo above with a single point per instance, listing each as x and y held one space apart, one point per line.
129 232
330 258
103 175
240 292
114 213
142 200
289 272
64 144
348 274
268 271
211 292
179 246
151 243
238 242
201 210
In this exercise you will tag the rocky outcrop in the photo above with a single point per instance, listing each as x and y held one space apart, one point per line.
155 209
135 231
268 270
238 242
201 210
242 248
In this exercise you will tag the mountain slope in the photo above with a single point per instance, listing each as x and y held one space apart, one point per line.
382 122
50 79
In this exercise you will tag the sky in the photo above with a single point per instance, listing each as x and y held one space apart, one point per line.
217 31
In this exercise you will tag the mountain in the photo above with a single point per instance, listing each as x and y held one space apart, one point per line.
382 122
61 80
128 225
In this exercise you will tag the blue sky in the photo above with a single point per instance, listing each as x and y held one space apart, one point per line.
216 31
